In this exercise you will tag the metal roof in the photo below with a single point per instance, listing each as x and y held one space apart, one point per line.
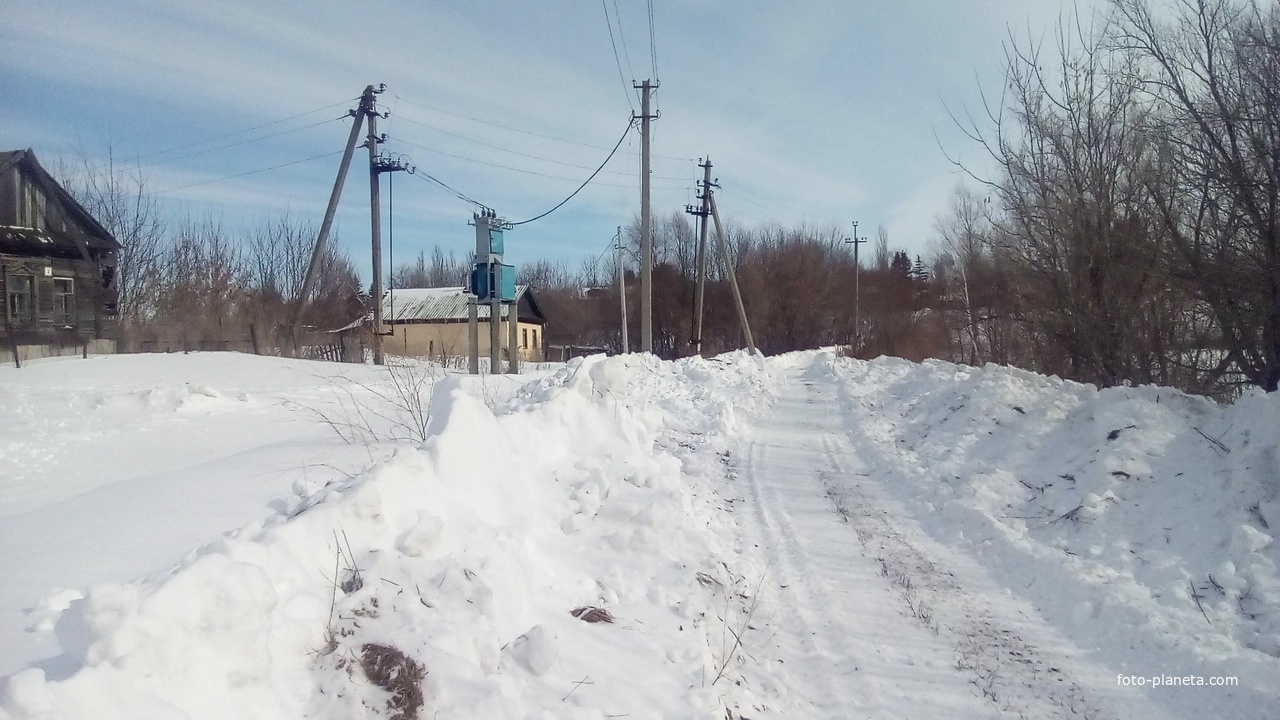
426 304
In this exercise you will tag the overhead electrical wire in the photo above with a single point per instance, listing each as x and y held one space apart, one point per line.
623 37
560 204
428 177
251 172
244 142
653 44
518 152
504 167
245 130
626 89
527 132
749 201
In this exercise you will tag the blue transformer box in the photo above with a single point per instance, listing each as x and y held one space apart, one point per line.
506 281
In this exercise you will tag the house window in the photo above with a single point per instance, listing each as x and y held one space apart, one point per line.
19 299
524 338
535 337
64 301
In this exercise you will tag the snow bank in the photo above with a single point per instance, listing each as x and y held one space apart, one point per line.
1138 520
458 562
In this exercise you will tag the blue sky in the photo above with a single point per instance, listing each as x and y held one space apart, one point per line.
811 111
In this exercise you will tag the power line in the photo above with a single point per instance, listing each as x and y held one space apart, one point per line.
251 172
241 132
505 167
428 177
625 89
243 142
518 152
622 36
653 44
749 201
584 182
520 130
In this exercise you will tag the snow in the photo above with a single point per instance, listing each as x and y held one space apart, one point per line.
226 536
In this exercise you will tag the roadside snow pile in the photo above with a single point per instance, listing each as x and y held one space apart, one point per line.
1138 520
529 562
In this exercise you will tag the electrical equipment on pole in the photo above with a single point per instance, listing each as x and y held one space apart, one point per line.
494 282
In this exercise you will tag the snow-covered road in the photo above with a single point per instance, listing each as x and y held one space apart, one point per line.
872 618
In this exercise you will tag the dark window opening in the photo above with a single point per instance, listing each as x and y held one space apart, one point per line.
64 301
19 300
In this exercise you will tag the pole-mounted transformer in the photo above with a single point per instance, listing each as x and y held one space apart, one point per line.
492 282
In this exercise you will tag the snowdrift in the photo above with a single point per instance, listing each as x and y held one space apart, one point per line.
1138 520
458 562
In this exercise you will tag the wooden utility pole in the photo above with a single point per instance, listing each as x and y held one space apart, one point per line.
304 292
622 288
733 277
646 89
375 228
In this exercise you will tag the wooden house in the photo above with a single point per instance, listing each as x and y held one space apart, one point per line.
58 276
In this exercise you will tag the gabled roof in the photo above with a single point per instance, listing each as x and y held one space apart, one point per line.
92 234
444 304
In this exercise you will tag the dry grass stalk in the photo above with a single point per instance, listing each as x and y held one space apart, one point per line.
591 614
398 674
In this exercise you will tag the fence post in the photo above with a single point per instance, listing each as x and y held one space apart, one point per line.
253 337
17 362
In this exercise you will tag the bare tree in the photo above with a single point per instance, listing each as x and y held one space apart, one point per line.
116 195
1212 71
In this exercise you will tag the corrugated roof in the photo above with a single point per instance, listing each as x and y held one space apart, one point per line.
447 303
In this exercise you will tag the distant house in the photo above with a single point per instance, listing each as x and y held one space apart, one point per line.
58 275
432 323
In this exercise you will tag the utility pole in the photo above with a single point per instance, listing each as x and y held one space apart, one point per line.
622 289
494 281
701 260
856 342
375 225
728 267
646 89
308 281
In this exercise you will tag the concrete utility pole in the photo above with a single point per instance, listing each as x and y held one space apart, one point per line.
646 89
733 276
622 288
701 261
857 273
495 320
308 281
473 331
513 324
375 225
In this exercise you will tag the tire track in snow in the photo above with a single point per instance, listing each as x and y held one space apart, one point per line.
839 642
1016 663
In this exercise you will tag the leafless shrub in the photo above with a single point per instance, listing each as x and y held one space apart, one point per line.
398 410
